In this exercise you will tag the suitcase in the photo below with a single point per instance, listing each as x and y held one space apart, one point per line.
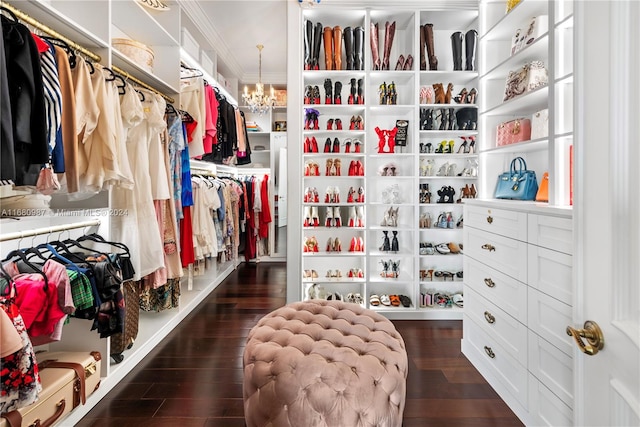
123 341
67 379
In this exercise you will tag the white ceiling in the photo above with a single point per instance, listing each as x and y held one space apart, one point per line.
235 27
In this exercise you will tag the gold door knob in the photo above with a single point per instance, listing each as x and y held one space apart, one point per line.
489 352
490 318
489 247
489 219
593 334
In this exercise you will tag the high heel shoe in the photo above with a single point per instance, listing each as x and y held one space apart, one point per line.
451 145
444 169
472 191
472 145
463 147
462 97
428 147
442 147
471 98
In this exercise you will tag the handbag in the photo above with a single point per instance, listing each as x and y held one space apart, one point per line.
513 131
511 4
543 192
518 183
540 124
530 77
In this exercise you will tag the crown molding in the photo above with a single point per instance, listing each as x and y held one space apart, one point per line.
195 12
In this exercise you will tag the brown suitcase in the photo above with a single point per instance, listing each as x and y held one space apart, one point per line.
124 341
68 378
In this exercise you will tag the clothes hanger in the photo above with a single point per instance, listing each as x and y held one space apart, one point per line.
11 14
18 253
63 44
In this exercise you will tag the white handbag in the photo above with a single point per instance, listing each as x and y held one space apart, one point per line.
523 38
540 124
530 77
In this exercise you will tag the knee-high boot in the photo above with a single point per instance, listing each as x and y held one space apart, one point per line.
456 49
317 39
389 32
358 35
428 36
470 43
328 47
347 33
308 44
375 47
337 48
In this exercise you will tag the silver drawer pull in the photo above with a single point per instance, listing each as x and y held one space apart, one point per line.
489 219
490 283
489 317
489 352
489 247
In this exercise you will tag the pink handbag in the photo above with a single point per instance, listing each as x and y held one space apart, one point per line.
513 131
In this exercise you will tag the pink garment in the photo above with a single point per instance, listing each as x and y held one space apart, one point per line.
211 119
57 274
38 304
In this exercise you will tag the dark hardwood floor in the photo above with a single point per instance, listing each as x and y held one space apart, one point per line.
194 379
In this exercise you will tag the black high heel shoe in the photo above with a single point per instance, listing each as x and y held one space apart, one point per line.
462 97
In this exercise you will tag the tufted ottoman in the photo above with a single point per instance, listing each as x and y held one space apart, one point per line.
324 363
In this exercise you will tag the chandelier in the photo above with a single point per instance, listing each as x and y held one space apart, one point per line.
257 101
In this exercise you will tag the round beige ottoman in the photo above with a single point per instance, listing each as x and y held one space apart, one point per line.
324 363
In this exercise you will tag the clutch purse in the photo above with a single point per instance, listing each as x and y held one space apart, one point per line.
543 191
530 77
517 183
513 131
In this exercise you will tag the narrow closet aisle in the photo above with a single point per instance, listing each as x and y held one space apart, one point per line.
194 378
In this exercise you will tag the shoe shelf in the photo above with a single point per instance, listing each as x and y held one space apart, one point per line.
435 133
381 190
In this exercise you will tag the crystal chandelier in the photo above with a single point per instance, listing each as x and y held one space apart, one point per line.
257 101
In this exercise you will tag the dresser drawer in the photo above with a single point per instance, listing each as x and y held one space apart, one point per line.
551 272
545 408
549 318
551 232
551 367
505 368
499 221
504 291
507 331
501 253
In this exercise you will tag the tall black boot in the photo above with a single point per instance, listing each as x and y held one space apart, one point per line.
456 49
470 43
317 40
358 33
452 119
347 33
328 88
337 96
308 44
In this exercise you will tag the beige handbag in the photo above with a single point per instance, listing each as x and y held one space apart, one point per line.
530 77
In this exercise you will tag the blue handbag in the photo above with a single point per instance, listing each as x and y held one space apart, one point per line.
518 183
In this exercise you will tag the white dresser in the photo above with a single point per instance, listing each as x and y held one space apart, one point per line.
518 302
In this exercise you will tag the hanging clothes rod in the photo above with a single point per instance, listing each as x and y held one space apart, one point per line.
128 76
48 230
53 33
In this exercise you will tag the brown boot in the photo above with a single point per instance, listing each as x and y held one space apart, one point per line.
423 60
389 32
328 48
428 36
337 48
375 55
447 95
439 90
